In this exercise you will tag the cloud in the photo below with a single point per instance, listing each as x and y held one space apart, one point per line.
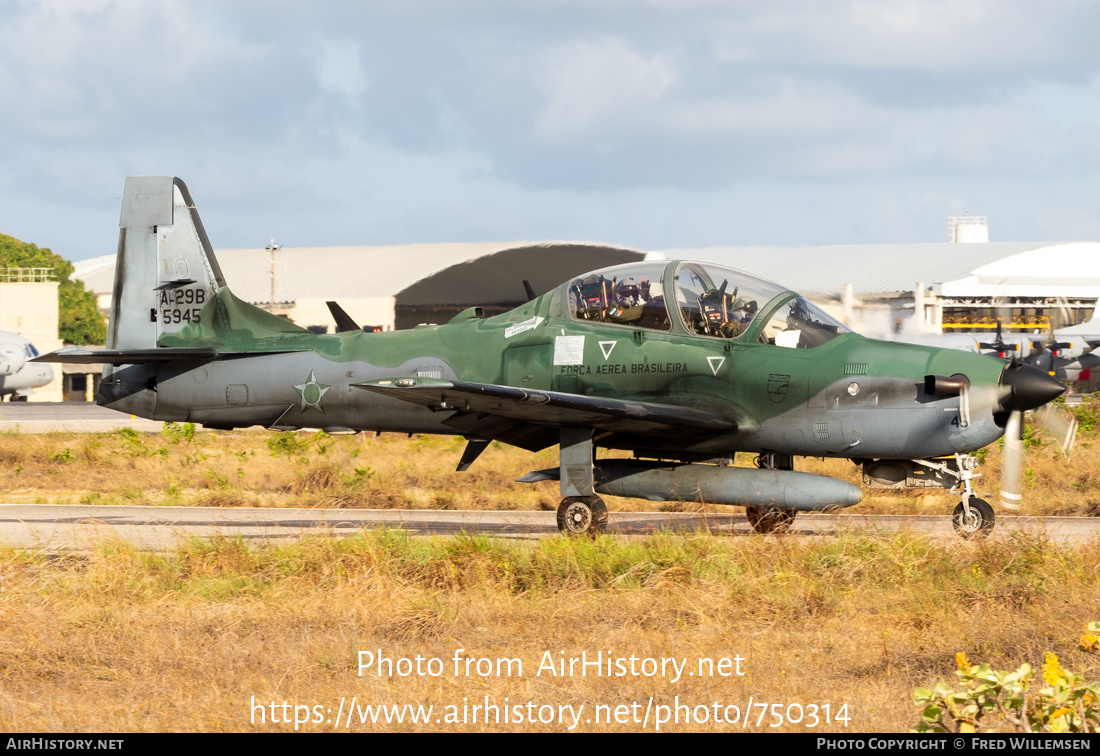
596 86
435 112
339 68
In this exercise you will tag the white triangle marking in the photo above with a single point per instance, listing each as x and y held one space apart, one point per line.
715 364
607 347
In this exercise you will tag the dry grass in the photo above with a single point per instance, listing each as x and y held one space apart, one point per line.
256 468
120 640
126 641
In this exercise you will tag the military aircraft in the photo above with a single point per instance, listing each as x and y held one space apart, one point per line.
683 364
18 377
1035 348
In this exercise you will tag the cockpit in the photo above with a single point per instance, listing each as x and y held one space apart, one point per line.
632 295
706 300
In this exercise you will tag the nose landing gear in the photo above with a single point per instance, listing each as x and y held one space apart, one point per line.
973 517
975 520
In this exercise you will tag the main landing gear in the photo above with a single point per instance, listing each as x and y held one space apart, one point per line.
770 520
776 520
582 515
581 511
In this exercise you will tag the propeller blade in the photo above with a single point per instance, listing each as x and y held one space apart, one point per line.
1060 424
1013 464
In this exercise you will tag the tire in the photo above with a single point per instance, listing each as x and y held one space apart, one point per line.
979 524
770 520
582 516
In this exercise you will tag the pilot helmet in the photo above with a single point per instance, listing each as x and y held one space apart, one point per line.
800 311
627 289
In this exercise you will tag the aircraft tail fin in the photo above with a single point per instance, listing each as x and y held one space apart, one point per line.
344 322
169 290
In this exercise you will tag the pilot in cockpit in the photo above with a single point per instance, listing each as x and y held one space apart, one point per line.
627 306
810 328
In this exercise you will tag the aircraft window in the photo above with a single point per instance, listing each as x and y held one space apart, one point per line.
799 324
720 302
628 295
31 351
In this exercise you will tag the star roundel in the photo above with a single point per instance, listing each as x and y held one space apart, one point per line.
312 393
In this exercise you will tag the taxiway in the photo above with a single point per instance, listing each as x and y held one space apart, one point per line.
83 527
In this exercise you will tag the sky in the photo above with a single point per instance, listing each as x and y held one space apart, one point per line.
654 125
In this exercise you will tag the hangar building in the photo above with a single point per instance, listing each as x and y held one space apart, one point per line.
932 288
392 287
874 287
966 283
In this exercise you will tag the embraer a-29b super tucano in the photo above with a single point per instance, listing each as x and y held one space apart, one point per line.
684 364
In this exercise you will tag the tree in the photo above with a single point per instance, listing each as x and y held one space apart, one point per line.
79 320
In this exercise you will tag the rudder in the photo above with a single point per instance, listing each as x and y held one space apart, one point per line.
165 267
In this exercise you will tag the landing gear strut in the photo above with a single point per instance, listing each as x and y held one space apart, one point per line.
973 517
581 511
582 515
772 519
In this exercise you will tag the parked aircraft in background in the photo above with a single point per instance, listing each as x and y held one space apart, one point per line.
18 376
1066 353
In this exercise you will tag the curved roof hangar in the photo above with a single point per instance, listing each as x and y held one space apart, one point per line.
414 274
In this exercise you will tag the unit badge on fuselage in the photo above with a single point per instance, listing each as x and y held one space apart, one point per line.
778 387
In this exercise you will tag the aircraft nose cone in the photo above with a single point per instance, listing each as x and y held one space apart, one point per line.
1029 387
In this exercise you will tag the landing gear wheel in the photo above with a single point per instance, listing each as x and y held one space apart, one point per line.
582 515
770 520
980 522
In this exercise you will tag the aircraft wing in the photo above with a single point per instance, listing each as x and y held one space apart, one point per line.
82 356
529 418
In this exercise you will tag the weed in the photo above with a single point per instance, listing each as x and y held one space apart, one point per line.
287 443
65 455
217 479
133 444
988 700
359 476
1087 412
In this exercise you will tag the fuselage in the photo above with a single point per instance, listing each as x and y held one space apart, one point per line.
846 396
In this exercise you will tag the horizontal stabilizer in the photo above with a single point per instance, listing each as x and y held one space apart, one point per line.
82 356
550 408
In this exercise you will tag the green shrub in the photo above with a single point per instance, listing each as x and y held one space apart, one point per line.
990 700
